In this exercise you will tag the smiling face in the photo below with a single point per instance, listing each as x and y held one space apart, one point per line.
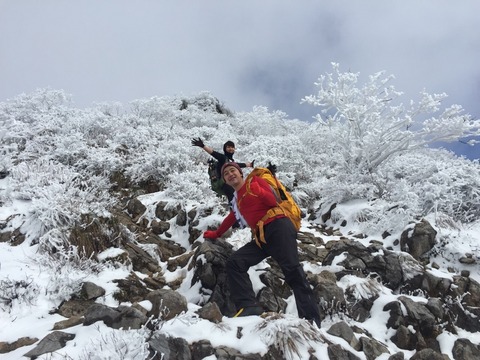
233 177
230 149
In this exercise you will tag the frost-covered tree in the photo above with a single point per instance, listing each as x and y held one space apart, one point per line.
368 124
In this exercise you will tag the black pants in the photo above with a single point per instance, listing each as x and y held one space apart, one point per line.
281 238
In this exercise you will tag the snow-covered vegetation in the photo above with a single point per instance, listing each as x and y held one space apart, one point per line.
60 162
364 145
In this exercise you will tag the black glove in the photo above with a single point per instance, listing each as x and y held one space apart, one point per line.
272 168
198 142
253 163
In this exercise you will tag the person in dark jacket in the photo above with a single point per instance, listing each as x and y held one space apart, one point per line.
227 156
280 243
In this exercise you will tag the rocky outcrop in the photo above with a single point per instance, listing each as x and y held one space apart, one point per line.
419 241
426 305
50 343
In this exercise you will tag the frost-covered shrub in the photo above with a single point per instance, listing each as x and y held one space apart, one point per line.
160 162
61 159
117 344
15 293
369 124
57 194
67 271
376 147
188 185
433 181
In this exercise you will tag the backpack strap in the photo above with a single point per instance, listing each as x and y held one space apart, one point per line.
258 232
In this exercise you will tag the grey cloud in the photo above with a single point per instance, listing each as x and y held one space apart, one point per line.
245 53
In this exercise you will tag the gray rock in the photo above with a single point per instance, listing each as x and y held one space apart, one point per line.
419 314
123 317
336 352
181 219
130 318
159 227
135 208
201 349
419 241
341 329
353 263
91 291
50 343
65 324
271 300
211 312
435 286
226 353
208 265
330 295
99 312
166 211
372 348
464 349
435 306
360 310
397 356
167 348
396 315
74 307
428 354
404 339
166 304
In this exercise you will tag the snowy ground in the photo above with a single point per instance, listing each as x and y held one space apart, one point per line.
28 315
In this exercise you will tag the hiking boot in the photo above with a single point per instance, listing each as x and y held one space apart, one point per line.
249 310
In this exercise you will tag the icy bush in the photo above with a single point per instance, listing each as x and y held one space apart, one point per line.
15 293
368 123
58 195
191 187
117 344
365 144
66 270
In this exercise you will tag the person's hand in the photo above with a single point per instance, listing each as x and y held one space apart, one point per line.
198 142
272 168
210 234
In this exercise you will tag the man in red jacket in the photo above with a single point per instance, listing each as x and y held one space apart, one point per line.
281 245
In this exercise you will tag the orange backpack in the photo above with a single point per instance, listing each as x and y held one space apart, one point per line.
286 204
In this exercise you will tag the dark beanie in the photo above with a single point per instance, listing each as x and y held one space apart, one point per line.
228 143
227 164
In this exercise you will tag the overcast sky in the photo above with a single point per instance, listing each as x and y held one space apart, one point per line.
246 53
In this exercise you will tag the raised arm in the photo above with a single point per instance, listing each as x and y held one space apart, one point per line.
199 142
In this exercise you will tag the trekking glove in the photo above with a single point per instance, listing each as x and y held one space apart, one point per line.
272 168
210 234
198 142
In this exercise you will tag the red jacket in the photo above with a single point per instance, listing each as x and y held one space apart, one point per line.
253 206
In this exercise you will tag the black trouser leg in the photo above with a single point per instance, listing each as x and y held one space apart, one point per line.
241 289
281 238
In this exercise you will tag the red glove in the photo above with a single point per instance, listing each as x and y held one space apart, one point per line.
209 234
